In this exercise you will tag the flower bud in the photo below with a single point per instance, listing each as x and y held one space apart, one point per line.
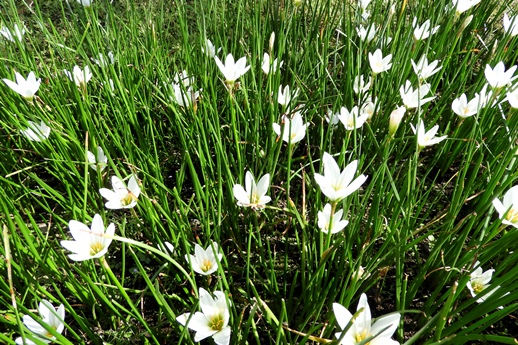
395 119
271 42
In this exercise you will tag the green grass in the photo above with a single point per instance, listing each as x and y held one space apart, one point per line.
417 225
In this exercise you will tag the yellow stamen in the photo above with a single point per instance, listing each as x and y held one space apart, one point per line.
216 322
206 265
95 248
512 215
128 199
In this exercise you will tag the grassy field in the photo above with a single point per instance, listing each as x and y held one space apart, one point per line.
259 172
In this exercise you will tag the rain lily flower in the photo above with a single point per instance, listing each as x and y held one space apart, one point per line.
499 77
395 119
511 25
363 4
36 131
414 98
204 261
508 209
512 98
332 118
99 161
89 243
423 69
232 70
368 34
209 49
15 34
427 138
324 220
485 97
423 32
85 3
463 108
480 281
212 321
294 129
273 64
359 85
167 248
337 185
462 6
379 63
51 317
368 109
253 195
183 79
184 97
351 120
102 61
120 196
285 95
79 77
362 328
26 88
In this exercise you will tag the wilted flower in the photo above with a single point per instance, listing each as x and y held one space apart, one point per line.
499 77
362 328
285 96
294 129
79 77
351 120
324 220
422 32
253 195
232 70
423 69
15 34
414 98
273 64
209 49
99 161
359 85
462 6
379 63
360 274
395 119
480 281
427 138
337 185
121 196
368 34
89 243
508 210
212 321
36 131
511 25
102 61
51 317
26 88
463 108
204 261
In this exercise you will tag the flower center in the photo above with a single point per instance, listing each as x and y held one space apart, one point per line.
128 199
477 287
512 215
95 248
47 334
216 322
206 265
254 198
359 337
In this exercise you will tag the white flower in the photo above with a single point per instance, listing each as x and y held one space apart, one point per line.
480 281
512 98
253 195
89 243
285 96
16 34
332 118
232 70
351 120
423 69
485 97
120 196
463 108
462 6
395 119
294 129
324 218
499 77
85 3
209 49
336 185
422 32
167 248
206 261
99 161
212 321
427 138
51 317
368 34
359 85
275 65
508 210
379 63
26 88
36 131
184 97
79 77
362 327
414 98
102 61
368 108
363 4
183 79
511 25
